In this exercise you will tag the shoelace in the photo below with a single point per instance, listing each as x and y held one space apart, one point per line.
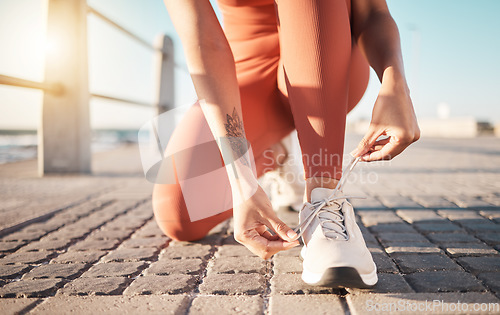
332 220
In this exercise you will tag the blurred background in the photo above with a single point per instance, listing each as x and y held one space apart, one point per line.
450 50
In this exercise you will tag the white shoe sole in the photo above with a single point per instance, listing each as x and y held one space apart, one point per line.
339 277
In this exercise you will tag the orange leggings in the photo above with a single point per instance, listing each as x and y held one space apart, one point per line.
297 68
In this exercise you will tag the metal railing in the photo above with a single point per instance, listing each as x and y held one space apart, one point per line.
64 131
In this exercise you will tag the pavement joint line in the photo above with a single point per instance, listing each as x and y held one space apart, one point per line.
267 292
344 304
30 307
204 268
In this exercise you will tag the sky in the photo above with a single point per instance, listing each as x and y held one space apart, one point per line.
450 49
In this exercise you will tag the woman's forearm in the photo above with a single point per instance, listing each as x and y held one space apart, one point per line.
209 58
377 35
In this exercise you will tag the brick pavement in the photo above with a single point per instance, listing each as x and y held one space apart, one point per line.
431 219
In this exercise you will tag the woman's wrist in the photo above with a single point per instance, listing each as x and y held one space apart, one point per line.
394 80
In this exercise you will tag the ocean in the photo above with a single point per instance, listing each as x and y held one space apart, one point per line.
19 145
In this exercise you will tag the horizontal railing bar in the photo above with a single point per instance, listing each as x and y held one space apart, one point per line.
49 87
121 28
124 100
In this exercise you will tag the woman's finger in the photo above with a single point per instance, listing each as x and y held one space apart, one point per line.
385 152
263 247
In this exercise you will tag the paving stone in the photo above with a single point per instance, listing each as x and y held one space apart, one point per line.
112 269
157 242
26 258
68 233
124 223
287 264
429 201
494 200
11 246
437 227
96 286
232 265
491 279
412 248
94 222
480 264
130 254
111 305
305 304
50 245
427 262
23 236
375 249
150 229
229 284
88 257
387 283
367 236
492 215
235 251
47 226
30 288
163 267
230 304
384 263
444 281
169 284
292 252
12 271
469 249
110 235
491 238
397 201
367 204
392 227
458 214
485 227
465 201
415 303
447 238
390 238
371 218
420 216
17 306
67 271
90 244
291 283
178 252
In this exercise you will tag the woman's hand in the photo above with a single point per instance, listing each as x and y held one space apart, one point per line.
251 220
393 118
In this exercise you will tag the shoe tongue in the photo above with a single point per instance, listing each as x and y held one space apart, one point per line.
328 218
319 193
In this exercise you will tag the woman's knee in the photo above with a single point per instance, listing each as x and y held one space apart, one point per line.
171 213
172 216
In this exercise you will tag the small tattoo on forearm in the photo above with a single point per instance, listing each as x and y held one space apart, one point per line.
236 136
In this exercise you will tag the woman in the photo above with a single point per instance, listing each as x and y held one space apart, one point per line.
277 66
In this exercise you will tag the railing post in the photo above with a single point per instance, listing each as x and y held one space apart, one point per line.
164 68
64 132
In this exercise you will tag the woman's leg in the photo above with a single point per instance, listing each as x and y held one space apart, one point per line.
323 75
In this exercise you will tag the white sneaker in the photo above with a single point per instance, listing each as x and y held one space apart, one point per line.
285 186
335 253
